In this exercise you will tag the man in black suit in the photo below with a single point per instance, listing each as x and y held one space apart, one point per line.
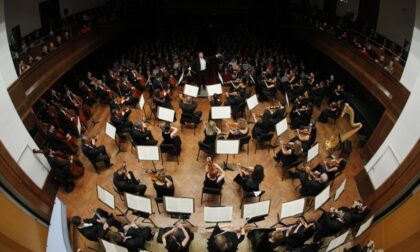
126 182
96 227
141 135
330 223
200 67
95 153
312 183
133 237
226 241
188 107
120 120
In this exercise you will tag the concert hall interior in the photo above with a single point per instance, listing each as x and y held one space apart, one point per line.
211 125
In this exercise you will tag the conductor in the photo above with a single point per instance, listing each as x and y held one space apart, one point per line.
200 66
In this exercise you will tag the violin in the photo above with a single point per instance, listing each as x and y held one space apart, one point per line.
153 174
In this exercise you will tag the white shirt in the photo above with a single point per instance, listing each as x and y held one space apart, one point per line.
202 64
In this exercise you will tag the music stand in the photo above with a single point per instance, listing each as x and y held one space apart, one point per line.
281 127
111 247
321 198
217 215
142 102
312 153
214 89
252 102
291 209
335 243
180 208
148 153
191 90
255 212
140 206
340 190
107 198
227 147
166 114
364 226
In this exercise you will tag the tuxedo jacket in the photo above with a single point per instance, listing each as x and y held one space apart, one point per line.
196 64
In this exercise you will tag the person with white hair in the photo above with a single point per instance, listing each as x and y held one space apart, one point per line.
312 182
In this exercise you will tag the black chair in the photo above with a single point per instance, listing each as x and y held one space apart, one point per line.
121 194
158 200
264 139
189 119
95 164
240 111
205 148
292 165
169 149
212 191
245 141
246 195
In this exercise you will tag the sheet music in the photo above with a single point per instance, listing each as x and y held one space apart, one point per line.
214 89
220 77
138 203
179 205
111 247
313 152
218 214
110 130
281 127
287 99
142 101
256 209
191 90
180 79
220 112
227 146
148 153
166 114
340 190
252 102
337 241
364 226
106 197
322 197
292 208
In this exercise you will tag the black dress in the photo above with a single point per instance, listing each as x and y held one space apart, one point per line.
213 183
232 240
164 190
176 141
260 240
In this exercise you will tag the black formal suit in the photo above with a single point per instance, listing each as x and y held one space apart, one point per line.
231 239
138 237
201 74
123 184
188 109
122 124
94 230
142 137
96 154
328 225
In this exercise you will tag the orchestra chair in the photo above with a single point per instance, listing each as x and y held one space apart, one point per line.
153 110
169 149
158 200
245 141
240 112
292 165
205 148
188 119
212 191
120 194
95 164
120 139
250 196
265 139
133 146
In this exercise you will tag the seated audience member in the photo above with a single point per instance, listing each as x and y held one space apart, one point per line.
250 178
238 130
215 175
211 134
126 182
119 118
169 134
289 153
312 182
224 241
266 240
330 223
95 153
133 237
141 135
164 185
177 239
96 227
188 107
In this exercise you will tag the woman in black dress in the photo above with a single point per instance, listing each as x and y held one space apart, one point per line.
211 133
164 185
289 153
177 239
169 134
214 175
249 178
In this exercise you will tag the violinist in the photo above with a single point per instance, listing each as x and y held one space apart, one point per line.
266 87
88 94
317 92
211 134
215 175
126 182
188 107
119 118
225 240
312 182
331 166
330 223
141 135
163 184
76 103
234 100
68 121
238 130
306 135
169 134
161 99
333 112
95 153
300 115
118 102
290 152
59 140
250 178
